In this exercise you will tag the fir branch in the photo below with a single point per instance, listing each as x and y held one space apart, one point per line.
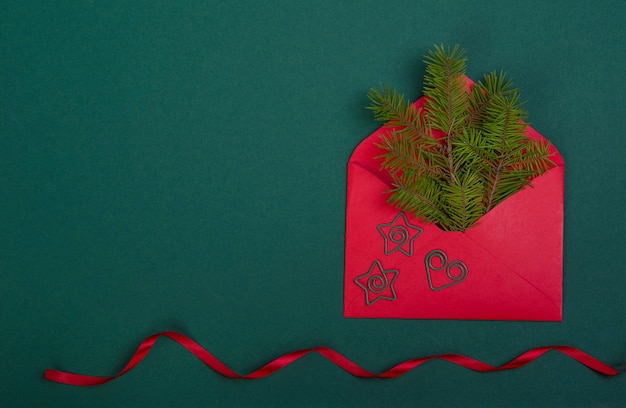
413 159
446 97
536 158
505 184
391 107
504 127
483 92
483 157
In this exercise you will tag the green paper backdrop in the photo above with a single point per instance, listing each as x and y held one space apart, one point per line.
182 166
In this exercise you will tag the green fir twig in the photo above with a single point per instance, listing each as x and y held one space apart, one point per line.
483 157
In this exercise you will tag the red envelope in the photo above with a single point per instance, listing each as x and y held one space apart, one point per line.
508 266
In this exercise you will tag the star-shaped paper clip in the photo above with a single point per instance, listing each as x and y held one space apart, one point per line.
377 283
399 235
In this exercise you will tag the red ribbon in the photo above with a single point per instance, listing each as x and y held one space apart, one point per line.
338 359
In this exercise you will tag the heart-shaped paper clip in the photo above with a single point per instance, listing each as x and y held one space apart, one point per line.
455 271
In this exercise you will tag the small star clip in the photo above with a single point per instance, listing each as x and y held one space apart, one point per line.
377 283
399 235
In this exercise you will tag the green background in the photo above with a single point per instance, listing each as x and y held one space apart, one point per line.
182 166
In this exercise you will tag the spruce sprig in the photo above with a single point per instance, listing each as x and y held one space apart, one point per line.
465 151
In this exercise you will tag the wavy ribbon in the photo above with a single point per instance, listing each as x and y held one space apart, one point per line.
347 365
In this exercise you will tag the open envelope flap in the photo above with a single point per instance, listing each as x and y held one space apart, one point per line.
510 262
